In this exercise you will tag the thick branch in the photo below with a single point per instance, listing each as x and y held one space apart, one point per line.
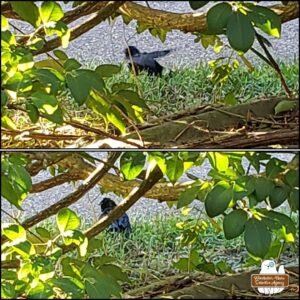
191 22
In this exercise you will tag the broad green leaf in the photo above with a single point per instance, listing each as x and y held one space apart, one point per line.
51 11
175 168
187 196
60 55
263 188
274 166
114 271
4 98
25 249
14 232
218 199
277 196
4 23
292 178
67 220
81 82
234 223
132 164
240 32
114 117
218 17
257 238
40 291
67 285
276 220
73 237
218 161
284 106
48 77
8 123
294 200
33 112
71 64
28 11
43 232
99 285
132 97
7 290
160 160
197 4
50 63
107 70
265 19
230 99
46 103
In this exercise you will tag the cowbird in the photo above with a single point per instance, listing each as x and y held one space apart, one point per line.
120 225
145 60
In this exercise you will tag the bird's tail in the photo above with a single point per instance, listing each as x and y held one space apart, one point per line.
162 53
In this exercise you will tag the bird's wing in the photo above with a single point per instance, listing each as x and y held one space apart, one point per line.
124 223
144 60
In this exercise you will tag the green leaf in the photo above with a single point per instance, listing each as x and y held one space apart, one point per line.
230 99
33 112
43 232
40 291
218 17
160 160
294 200
234 224
114 271
284 106
61 55
132 97
8 123
292 178
114 117
71 64
187 196
122 86
240 32
218 199
28 11
108 70
263 188
44 102
99 285
73 237
67 285
265 19
14 232
48 105
278 196
197 4
51 11
132 164
7 290
49 78
67 220
275 220
257 238
218 161
81 82
175 168
4 23
25 249
274 166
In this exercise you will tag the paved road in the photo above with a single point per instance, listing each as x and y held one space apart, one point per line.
105 43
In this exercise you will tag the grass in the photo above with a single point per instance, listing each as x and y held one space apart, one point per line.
188 87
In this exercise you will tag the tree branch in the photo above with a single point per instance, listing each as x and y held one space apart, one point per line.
89 183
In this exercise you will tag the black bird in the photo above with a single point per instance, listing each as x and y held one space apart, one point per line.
145 61
120 225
